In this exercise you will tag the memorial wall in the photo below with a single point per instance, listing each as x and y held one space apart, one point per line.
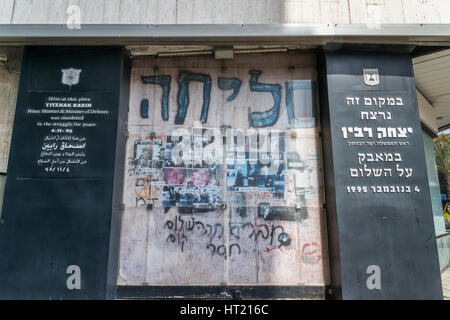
223 182
195 172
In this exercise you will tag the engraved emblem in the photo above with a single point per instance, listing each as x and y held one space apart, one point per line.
70 76
371 77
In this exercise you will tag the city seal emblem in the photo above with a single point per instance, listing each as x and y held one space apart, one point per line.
371 77
70 76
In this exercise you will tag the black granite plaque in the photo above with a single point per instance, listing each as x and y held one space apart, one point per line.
60 221
380 222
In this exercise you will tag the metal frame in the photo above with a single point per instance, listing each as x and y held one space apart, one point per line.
224 34
222 292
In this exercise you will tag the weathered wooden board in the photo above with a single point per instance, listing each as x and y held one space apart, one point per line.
9 83
198 223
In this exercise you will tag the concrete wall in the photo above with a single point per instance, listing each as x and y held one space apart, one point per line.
255 239
9 84
227 11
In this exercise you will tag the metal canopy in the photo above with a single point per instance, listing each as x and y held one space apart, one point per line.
432 74
225 34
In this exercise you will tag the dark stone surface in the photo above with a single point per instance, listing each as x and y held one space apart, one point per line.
53 218
393 230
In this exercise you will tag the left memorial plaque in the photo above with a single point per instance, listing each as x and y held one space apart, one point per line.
60 227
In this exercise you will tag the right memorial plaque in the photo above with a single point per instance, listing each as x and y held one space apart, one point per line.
381 233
